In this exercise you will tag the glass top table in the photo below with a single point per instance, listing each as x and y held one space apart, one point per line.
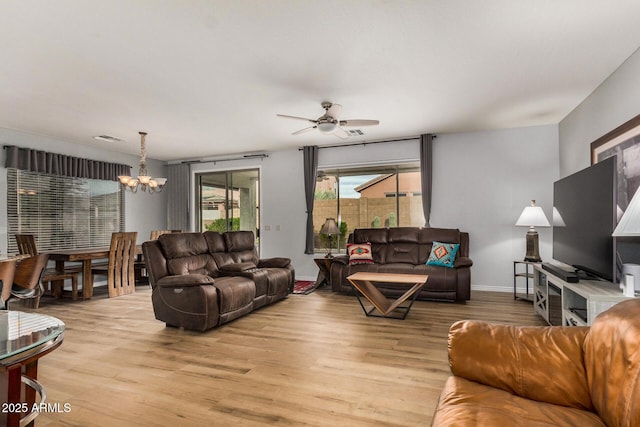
24 338
21 332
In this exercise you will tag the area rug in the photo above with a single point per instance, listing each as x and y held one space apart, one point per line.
303 286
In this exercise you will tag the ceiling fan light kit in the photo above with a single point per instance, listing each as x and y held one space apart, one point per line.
329 123
327 127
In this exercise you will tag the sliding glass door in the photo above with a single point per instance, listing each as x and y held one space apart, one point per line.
228 201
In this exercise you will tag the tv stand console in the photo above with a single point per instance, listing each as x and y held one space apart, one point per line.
562 303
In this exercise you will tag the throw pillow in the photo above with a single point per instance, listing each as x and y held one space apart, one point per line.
360 253
443 254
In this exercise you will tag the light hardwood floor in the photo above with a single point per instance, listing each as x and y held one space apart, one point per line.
308 360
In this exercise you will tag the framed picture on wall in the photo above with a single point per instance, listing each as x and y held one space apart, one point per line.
623 142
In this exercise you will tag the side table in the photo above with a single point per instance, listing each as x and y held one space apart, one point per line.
324 271
24 338
527 274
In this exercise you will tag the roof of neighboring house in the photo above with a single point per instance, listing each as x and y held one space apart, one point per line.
373 181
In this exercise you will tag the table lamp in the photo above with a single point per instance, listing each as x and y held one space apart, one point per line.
330 229
532 217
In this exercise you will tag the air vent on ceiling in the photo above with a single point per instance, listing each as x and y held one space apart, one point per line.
108 138
355 132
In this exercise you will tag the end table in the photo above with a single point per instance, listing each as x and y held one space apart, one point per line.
324 272
527 274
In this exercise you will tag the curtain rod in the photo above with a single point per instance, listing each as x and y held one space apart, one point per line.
409 138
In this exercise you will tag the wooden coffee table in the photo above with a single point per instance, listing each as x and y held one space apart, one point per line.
363 283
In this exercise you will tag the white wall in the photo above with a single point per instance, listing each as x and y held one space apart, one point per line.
482 181
613 103
143 212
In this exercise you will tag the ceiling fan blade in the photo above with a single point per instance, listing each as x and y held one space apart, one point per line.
297 118
334 111
359 122
304 130
341 133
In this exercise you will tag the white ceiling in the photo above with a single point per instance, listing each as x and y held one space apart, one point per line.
207 78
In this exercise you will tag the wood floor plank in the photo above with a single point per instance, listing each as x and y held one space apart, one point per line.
308 360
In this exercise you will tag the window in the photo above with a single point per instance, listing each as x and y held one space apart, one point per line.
372 197
229 200
62 212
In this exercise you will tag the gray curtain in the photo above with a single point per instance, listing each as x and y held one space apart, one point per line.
178 190
62 165
310 154
426 141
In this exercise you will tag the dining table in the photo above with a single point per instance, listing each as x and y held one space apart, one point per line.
86 256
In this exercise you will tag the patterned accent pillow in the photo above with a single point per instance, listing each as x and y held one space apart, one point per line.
443 254
360 253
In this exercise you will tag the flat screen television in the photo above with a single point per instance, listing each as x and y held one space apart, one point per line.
584 218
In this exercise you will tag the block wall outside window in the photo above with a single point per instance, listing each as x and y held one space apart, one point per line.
367 198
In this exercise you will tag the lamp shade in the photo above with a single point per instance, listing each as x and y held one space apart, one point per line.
629 224
533 216
330 227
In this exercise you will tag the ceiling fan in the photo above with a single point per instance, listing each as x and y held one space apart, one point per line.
329 122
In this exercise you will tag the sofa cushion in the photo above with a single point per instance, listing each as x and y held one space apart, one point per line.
613 365
215 241
179 245
464 402
431 234
240 247
378 237
402 253
235 293
404 235
443 254
195 264
237 241
359 253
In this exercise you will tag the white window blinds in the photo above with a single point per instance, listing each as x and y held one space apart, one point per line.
62 212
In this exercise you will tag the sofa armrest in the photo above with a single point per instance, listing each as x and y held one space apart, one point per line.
276 262
539 363
462 262
184 280
342 259
237 267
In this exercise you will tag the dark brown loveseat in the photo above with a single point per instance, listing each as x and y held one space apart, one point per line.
405 250
202 280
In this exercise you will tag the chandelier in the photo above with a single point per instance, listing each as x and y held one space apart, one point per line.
144 181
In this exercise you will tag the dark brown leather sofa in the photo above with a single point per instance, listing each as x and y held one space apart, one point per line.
405 250
203 280
505 375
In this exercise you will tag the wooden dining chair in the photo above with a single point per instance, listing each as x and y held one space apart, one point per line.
26 281
51 277
7 273
26 244
140 266
157 233
120 269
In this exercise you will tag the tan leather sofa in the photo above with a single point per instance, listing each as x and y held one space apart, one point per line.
406 250
203 280
545 376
